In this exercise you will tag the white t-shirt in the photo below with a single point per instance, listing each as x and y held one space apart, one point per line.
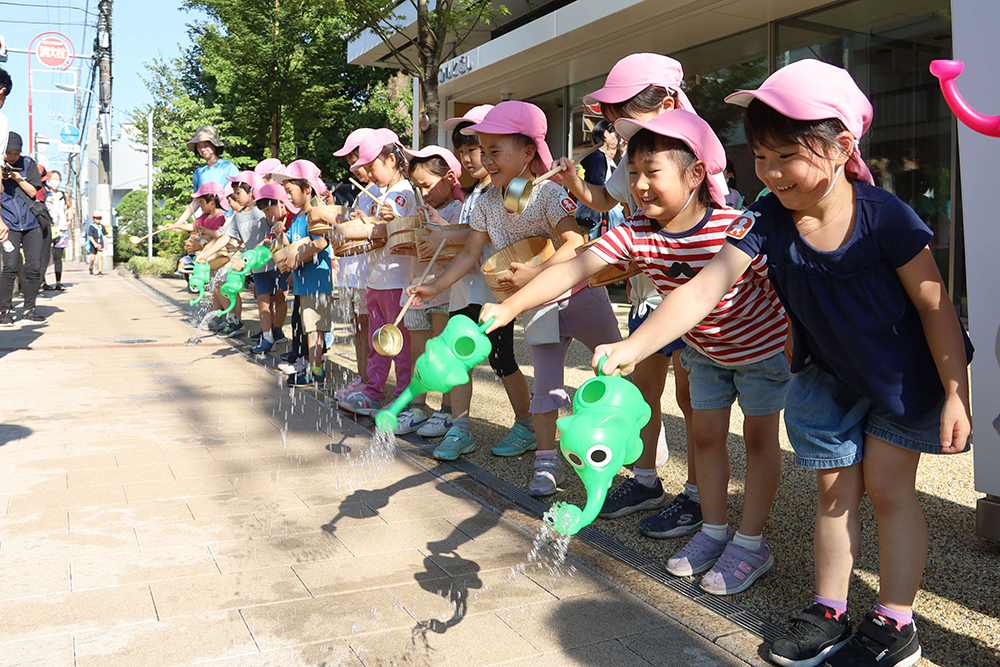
353 271
472 287
450 212
387 271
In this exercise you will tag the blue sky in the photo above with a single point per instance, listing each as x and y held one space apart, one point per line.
142 30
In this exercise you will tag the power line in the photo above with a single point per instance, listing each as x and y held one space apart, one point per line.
45 6
72 23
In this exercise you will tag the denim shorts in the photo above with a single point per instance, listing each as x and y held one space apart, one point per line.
760 386
634 321
269 282
827 422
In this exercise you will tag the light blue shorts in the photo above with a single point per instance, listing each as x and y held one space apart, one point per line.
827 422
760 386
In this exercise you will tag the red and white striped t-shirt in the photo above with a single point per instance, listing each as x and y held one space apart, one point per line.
748 325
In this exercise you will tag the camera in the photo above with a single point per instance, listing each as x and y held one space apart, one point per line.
8 170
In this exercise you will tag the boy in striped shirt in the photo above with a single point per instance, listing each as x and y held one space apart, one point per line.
737 351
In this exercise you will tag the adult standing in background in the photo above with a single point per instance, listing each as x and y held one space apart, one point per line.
21 183
5 86
55 201
597 169
206 144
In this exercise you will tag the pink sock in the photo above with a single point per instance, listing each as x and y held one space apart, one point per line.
839 607
901 617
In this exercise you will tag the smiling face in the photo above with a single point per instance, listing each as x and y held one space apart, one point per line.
659 186
436 190
205 150
797 175
361 173
505 159
383 170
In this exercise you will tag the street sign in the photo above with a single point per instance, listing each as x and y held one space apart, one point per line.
72 149
55 50
41 139
70 134
3 50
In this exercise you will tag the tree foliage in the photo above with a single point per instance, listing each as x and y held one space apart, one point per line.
131 218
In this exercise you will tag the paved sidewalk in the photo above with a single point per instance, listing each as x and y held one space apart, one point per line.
167 503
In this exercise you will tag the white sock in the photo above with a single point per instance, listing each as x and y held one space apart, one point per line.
645 476
692 492
748 542
269 336
718 533
462 424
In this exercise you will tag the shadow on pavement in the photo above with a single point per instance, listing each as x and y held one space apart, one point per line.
12 433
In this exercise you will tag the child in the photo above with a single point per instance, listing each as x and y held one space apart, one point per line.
380 155
434 170
311 270
272 200
95 243
880 356
512 136
738 350
467 297
211 199
352 272
640 87
267 168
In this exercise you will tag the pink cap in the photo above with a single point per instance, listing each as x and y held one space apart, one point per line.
473 115
693 131
453 164
302 169
213 188
227 190
275 191
633 74
251 178
268 167
517 118
353 141
814 90
371 146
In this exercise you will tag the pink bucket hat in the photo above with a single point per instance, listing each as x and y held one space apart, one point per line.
517 118
251 178
693 131
815 90
212 188
275 191
453 164
371 146
633 74
268 167
353 141
473 115
305 170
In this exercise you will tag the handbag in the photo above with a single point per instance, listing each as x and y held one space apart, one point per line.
39 210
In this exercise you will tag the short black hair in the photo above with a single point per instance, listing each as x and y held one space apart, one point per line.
5 80
434 164
303 185
602 128
458 139
246 187
646 143
218 150
767 128
647 100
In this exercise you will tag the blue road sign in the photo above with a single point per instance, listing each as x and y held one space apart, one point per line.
70 134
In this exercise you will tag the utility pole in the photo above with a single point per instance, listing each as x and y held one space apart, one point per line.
149 187
102 51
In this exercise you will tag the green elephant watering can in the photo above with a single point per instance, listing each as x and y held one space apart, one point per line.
600 437
445 363
254 258
200 277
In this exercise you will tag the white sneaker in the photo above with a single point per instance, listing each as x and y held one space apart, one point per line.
662 452
410 420
300 365
439 424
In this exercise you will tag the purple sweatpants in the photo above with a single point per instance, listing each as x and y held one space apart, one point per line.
383 307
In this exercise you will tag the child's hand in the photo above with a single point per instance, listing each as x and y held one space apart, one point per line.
431 214
568 175
386 213
501 313
422 293
426 245
522 275
622 357
956 424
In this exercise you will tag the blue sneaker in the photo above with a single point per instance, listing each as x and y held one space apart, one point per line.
306 377
455 444
681 517
700 554
518 441
262 347
633 496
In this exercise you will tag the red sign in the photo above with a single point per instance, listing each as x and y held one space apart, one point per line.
55 51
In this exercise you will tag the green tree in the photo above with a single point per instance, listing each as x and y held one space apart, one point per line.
131 218
440 33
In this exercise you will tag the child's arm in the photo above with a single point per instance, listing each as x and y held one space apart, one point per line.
462 264
215 246
569 231
923 284
595 196
549 284
679 312
180 226
308 251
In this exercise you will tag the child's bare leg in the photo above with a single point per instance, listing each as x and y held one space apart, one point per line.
264 312
650 377
890 479
545 430
760 434
518 393
418 341
279 305
361 345
438 322
682 391
711 428
837 539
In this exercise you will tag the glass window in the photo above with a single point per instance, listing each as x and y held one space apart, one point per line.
553 104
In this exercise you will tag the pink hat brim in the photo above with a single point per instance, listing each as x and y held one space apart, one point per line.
353 140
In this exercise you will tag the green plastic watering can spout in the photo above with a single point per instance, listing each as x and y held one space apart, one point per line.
386 419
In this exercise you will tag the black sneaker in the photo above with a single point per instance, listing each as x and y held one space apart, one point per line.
231 329
48 288
812 636
633 496
6 319
60 287
306 377
879 643
681 517
91 270
289 357
33 316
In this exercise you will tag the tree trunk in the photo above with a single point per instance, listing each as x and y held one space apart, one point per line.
427 50
432 105
275 131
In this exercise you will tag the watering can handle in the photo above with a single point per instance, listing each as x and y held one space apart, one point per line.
487 324
555 170
599 371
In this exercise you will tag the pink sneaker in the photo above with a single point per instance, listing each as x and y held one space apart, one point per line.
356 385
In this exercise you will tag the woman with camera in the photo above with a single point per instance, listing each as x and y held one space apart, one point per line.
21 182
